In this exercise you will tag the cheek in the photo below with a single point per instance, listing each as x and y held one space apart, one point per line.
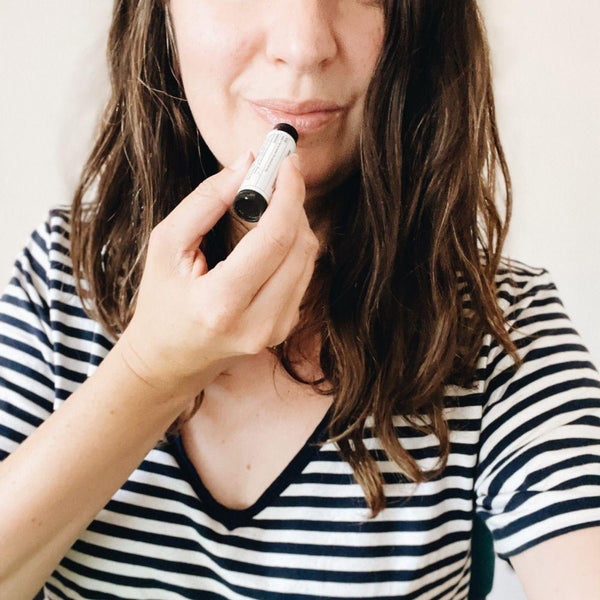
210 70
372 50
212 45
207 59
363 44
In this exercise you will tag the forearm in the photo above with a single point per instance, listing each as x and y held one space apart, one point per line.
53 485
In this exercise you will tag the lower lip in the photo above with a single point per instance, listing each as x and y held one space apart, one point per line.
305 123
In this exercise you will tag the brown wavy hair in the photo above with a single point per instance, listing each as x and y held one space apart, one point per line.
404 289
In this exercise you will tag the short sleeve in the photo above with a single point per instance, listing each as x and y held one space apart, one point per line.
538 472
26 355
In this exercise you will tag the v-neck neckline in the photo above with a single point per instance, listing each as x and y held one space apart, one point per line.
231 517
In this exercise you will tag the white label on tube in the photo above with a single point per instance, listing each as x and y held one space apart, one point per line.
261 175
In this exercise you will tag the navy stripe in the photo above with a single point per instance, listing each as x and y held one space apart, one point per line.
6 363
523 428
547 536
21 346
20 414
22 325
454 535
62 287
76 354
68 309
43 402
553 509
12 435
522 381
238 566
535 353
35 267
575 459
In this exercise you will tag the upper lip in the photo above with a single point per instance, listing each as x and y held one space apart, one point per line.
293 107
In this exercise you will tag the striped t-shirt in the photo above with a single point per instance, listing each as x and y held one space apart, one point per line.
525 455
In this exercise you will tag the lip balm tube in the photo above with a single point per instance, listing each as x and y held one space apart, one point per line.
256 190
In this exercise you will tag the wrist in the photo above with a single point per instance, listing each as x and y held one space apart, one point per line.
138 375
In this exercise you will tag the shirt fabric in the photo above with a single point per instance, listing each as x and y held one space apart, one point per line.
525 455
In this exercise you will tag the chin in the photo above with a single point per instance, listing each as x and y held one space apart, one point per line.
322 181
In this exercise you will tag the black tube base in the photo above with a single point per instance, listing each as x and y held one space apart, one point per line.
249 205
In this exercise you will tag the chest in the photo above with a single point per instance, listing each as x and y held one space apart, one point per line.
253 422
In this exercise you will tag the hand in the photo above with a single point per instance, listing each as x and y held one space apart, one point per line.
189 322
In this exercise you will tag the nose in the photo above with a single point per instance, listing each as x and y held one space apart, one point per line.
301 34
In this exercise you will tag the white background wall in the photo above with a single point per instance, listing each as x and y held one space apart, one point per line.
545 56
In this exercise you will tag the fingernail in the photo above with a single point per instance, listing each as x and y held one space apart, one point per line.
241 161
294 158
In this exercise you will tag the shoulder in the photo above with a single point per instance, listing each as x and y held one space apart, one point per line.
52 238
520 285
46 261
533 311
555 359
51 232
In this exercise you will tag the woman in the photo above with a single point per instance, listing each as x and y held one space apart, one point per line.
315 407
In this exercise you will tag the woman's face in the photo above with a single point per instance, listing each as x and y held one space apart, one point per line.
249 64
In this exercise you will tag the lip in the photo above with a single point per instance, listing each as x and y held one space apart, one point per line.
307 116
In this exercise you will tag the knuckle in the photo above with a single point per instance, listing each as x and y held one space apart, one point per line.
281 240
